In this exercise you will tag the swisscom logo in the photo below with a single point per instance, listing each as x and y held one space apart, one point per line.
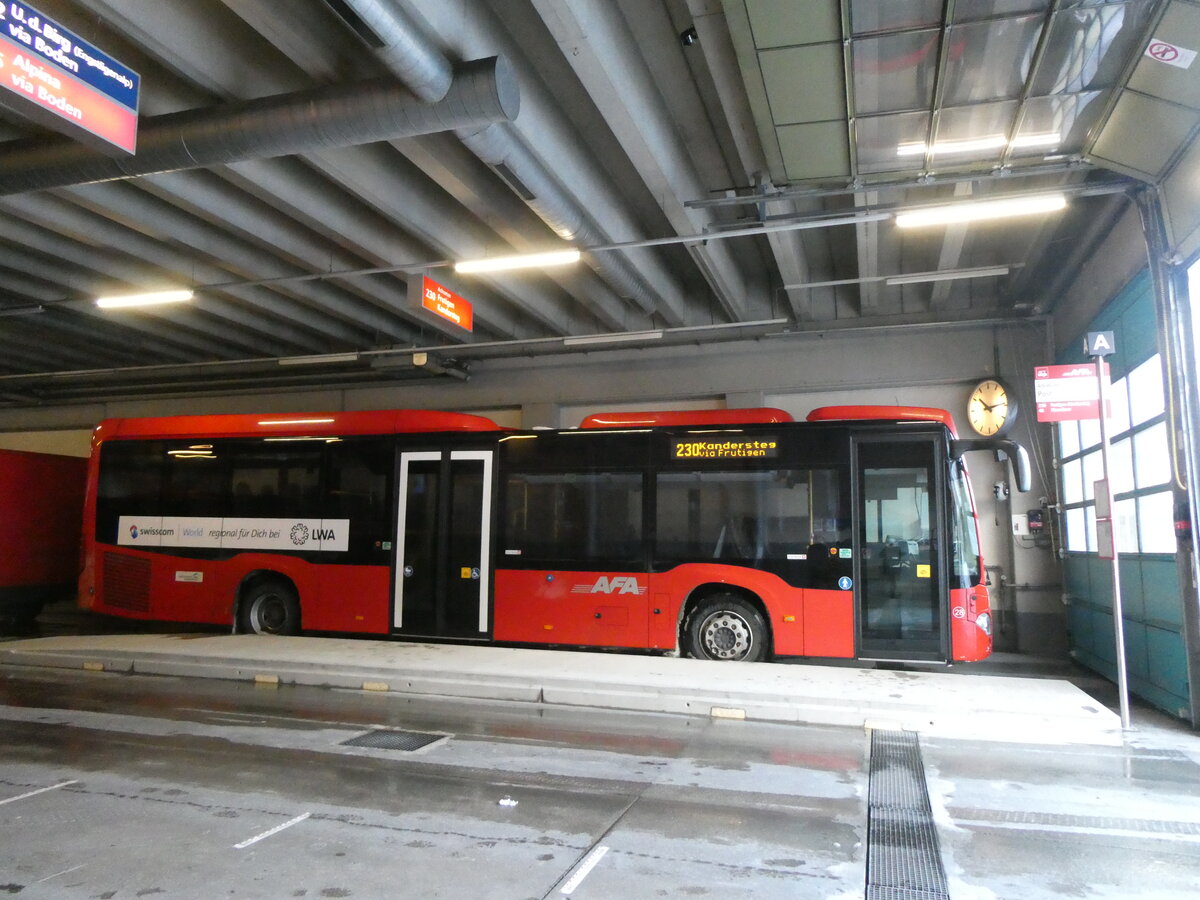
133 531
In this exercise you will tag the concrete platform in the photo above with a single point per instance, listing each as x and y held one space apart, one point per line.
945 704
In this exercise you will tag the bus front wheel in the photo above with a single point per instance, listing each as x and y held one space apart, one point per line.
726 627
269 606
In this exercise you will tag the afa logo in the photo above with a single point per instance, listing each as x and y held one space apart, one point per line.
618 584
133 532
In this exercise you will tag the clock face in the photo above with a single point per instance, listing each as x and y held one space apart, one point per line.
990 408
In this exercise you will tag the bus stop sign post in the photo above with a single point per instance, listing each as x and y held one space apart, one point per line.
1100 344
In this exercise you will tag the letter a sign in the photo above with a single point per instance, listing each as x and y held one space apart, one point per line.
1099 343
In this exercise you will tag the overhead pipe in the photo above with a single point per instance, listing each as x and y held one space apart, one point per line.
411 57
480 92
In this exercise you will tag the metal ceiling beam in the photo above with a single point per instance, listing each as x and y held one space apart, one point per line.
651 140
588 211
119 271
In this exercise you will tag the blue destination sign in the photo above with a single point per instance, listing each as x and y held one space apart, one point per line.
42 36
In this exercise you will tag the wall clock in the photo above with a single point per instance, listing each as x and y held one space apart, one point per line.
991 408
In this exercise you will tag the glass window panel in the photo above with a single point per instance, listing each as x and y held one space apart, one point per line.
1089 433
1120 466
195 482
1156 522
1152 456
1087 48
1146 391
990 60
969 10
1076 530
577 516
1068 438
1093 471
1057 124
871 15
746 516
971 133
880 137
1072 479
1126 526
895 72
1118 421
1089 518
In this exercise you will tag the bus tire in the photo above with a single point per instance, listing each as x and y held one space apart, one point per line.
269 606
726 626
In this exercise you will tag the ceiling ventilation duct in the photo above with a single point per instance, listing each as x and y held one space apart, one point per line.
479 93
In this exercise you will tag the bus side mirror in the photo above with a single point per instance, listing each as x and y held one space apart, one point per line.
1018 457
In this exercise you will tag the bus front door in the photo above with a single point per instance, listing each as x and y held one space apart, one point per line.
443 539
901 600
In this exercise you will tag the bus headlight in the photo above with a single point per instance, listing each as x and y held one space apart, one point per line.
984 621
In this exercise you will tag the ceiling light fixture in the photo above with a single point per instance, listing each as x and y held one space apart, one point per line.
22 310
983 209
612 338
318 359
522 261
947 275
153 298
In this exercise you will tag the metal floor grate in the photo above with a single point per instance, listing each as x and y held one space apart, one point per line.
904 861
388 739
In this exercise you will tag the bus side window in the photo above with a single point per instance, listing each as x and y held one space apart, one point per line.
130 484
574 516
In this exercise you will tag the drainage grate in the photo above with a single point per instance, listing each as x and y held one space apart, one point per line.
903 858
386 739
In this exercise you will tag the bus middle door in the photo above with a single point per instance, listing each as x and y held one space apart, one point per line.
443 544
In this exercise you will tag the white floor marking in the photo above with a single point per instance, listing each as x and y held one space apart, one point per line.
584 868
53 787
266 834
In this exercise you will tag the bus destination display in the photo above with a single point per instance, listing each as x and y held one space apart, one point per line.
725 448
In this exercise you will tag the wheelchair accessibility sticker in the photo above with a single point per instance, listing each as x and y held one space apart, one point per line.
845 583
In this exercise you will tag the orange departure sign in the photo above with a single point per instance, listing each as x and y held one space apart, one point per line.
441 301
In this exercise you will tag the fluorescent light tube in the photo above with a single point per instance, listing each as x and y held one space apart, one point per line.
983 209
318 359
524 261
153 298
612 338
948 275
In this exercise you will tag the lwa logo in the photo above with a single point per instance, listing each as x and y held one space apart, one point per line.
618 584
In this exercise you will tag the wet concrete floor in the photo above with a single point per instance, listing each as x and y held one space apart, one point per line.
123 786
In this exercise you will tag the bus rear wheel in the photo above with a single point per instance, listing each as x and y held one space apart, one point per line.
726 627
269 606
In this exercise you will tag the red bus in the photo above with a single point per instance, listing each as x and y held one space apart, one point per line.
41 500
733 534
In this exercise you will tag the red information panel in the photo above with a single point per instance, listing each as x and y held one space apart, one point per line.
50 75
441 301
1066 393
